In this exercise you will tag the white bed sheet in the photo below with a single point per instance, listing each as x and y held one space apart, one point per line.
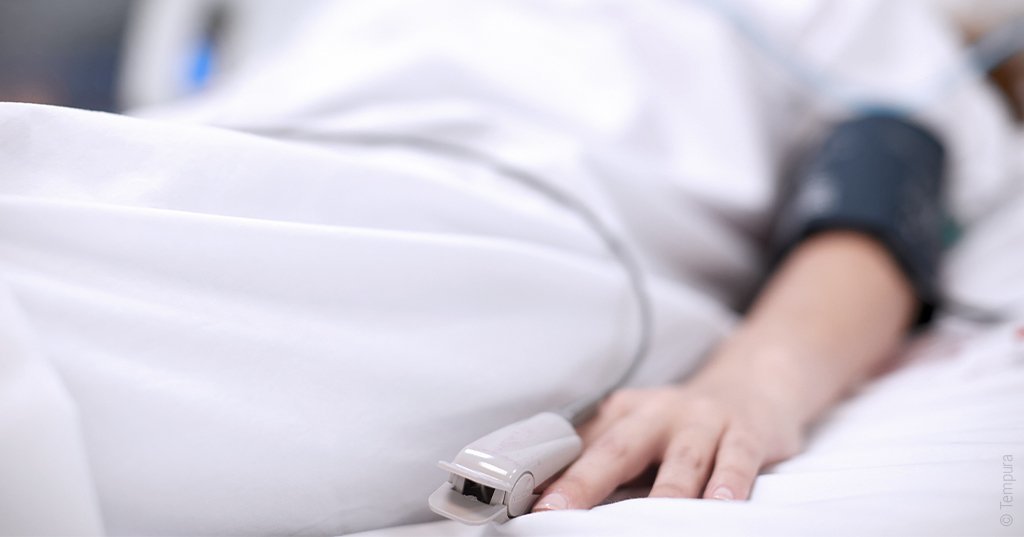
277 341
933 446
922 451
186 356
199 326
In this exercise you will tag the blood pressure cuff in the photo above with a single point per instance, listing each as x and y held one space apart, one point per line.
881 175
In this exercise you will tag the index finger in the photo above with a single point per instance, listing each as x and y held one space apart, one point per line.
618 455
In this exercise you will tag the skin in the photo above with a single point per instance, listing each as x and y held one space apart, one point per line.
835 310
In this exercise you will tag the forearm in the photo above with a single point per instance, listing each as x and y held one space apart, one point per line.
832 312
835 309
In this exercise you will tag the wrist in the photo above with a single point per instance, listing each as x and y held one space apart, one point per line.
829 316
772 372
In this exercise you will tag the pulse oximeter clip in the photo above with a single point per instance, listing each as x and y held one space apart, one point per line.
495 478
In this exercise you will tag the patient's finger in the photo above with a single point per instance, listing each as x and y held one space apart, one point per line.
611 411
739 459
686 463
615 457
593 429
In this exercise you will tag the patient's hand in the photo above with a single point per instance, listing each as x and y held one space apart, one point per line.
834 311
710 440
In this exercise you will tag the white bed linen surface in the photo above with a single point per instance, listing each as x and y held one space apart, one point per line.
256 337
923 451
659 113
211 333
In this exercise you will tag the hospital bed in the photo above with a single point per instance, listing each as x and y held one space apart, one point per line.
199 323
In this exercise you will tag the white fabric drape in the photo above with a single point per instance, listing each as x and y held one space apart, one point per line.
208 332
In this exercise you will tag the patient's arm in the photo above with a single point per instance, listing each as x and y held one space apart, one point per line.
831 314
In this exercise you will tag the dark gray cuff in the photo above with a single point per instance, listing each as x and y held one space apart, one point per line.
881 175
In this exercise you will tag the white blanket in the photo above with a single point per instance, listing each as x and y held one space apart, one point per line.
935 448
279 340
206 332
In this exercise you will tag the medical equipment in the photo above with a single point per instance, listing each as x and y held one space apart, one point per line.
993 48
494 478
882 176
987 53
175 48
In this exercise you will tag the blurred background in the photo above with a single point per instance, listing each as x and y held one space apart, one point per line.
61 51
118 54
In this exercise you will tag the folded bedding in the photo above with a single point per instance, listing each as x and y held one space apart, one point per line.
209 331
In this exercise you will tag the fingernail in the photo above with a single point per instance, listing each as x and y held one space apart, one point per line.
722 493
552 502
